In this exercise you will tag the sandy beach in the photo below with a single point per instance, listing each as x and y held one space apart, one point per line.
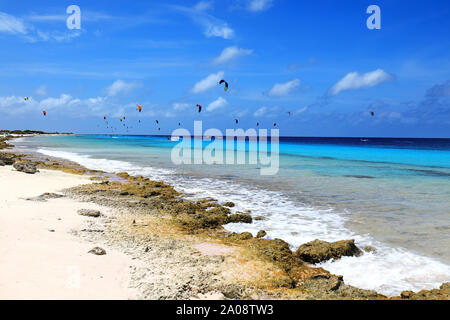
40 257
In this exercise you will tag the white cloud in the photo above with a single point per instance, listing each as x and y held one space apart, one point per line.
120 86
259 5
41 91
8 102
209 82
300 111
203 6
354 81
11 24
213 27
242 113
268 112
221 31
283 89
260 112
231 53
180 106
217 104
49 103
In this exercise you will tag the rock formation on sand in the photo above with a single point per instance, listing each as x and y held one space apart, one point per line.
443 293
318 251
26 167
89 213
98 251
7 159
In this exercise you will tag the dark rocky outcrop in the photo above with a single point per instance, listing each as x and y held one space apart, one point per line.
229 204
98 251
7 159
318 251
89 213
330 286
443 293
241 236
45 196
2 164
26 167
261 234
239 218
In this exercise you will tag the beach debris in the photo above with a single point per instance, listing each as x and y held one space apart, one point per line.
26 167
226 84
97 251
199 108
261 234
318 251
51 230
89 213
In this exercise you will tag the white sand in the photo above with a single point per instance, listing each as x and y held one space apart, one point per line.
38 264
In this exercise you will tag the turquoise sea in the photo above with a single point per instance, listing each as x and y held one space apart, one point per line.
391 194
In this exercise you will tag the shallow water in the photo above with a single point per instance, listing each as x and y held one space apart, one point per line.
392 194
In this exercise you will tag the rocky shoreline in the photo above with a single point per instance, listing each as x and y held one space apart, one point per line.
154 224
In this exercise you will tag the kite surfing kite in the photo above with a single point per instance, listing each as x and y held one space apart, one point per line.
236 120
157 122
139 108
26 98
44 112
257 124
372 113
199 108
226 84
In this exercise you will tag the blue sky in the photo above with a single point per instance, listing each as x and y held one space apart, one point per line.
315 59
